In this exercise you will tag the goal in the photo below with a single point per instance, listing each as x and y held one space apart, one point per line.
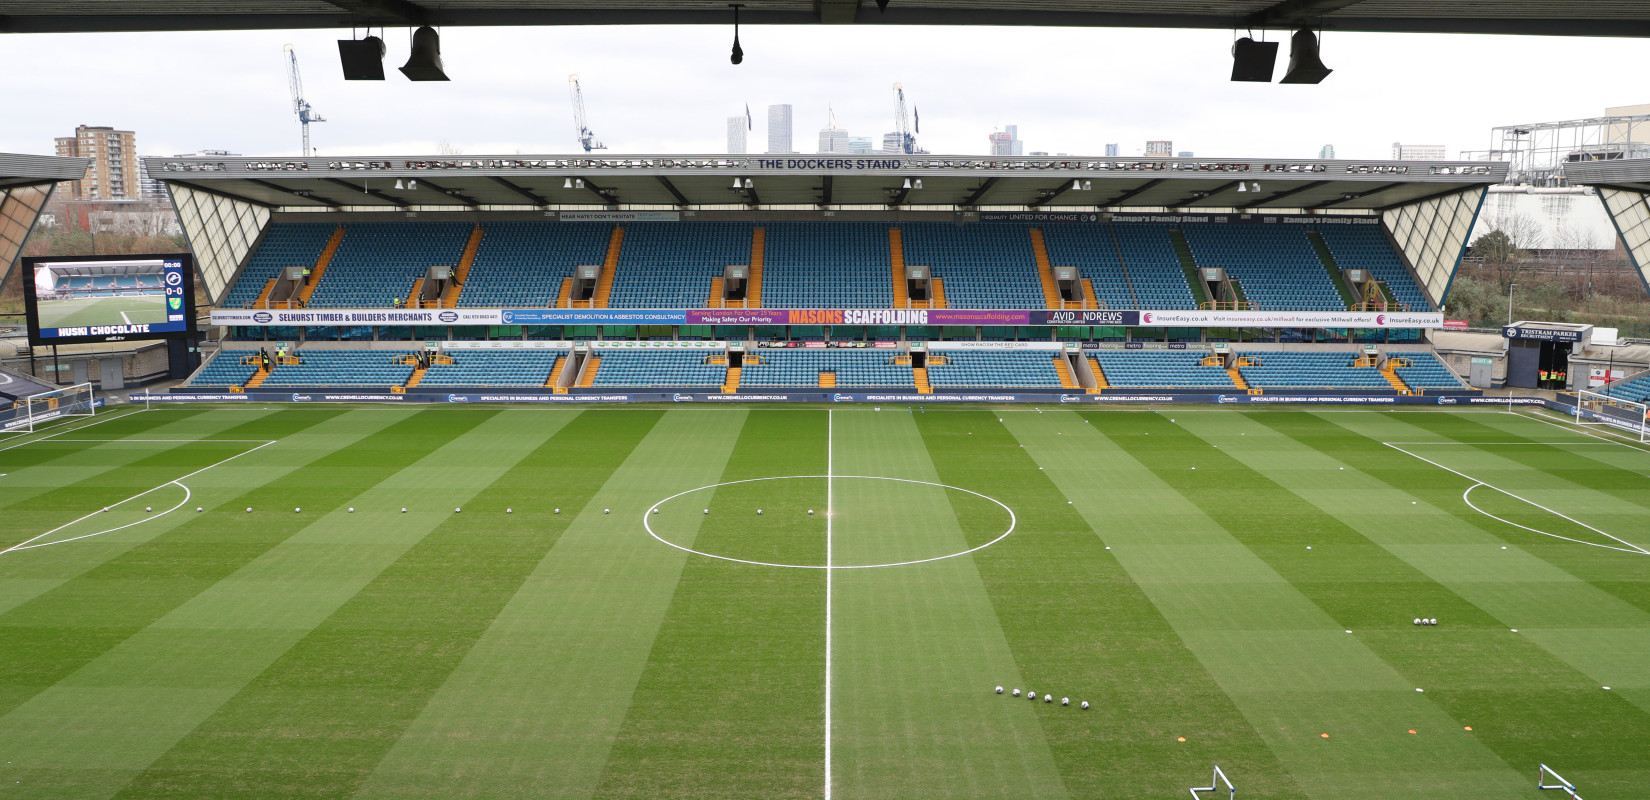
70 401
1215 785
1559 782
1593 408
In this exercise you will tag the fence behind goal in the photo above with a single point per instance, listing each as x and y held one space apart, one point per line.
1593 408
70 401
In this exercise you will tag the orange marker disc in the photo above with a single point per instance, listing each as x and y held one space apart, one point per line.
1411 730
1324 735
1469 727
1180 739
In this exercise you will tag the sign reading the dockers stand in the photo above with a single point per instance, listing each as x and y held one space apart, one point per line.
889 317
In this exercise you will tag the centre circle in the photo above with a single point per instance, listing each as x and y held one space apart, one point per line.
652 511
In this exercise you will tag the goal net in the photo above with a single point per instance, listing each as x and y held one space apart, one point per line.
70 401
1593 408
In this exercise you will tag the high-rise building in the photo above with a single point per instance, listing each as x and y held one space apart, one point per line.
736 134
114 172
860 145
1006 142
892 142
1160 147
1111 151
779 129
833 140
1419 152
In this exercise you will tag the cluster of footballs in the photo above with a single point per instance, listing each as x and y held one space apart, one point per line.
1426 622
1047 698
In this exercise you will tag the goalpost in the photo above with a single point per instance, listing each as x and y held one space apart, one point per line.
1593 408
71 401
1214 785
1561 785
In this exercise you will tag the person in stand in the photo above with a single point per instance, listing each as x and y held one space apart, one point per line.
263 353
396 302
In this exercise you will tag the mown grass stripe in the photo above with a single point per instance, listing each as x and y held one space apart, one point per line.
360 677
730 703
1074 618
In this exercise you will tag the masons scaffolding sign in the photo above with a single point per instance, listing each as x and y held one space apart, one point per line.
824 316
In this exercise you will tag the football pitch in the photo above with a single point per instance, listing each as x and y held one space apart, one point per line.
481 602
147 309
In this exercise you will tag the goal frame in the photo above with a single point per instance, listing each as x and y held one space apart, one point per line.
1215 782
1626 416
1561 785
79 400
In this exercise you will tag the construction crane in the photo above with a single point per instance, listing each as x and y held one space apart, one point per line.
902 123
300 106
587 139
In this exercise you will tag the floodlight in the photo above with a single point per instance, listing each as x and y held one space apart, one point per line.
738 56
362 59
1253 61
1304 64
424 63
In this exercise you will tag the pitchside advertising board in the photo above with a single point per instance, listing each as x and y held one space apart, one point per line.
79 299
825 316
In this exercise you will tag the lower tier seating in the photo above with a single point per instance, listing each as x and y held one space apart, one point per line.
1427 372
342 368
657 368
994 368
493 368
801 367
225 370
1286 370
1161 370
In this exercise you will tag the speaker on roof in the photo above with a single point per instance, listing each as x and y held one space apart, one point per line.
363 59
1304 64
424 64
1253 61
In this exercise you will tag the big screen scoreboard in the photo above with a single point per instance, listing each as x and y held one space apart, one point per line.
79 299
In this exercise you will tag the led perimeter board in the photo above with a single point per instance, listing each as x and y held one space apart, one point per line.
78 299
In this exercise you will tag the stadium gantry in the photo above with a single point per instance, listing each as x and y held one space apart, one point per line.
738 276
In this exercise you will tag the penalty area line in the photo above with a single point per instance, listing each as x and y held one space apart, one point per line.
179 482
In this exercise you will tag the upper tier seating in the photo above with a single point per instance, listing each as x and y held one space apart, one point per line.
1091 249
1160 369
287 244
835 265
1427 372
1031 368
1276 265
801 367
225 370
1311 371
985 265
671 264
1154 267
342 368
1366 247
378 261
657 368
522 264
493 368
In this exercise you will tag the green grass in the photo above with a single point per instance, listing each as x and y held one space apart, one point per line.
81 312
1191 573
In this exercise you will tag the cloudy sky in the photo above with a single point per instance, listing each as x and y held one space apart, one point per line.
670 89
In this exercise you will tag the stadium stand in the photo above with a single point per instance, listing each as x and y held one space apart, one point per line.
1153 266
317 367
658 368
1366 247
493 368
1292 370
971 368
1275 265
224 370
1635 389
809 265
671 265
1093 251
287 244
982 266
379 261
1427 372
1161 370
522 264
802 367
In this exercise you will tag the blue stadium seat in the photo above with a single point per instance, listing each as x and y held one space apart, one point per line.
493 368
1427 372
988 265
801 367
523 264
225 369
342 368
829 265
378 261
665 368
671 264
1158 369
1276 265
1293 370
1366 247
286 244
988 368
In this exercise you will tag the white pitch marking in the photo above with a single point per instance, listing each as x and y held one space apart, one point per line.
1636 548
106 418
830 505
1611 439
29 545
124 317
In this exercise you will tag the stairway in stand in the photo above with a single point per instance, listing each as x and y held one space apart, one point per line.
827 379
1063 367
589 377
554 381
462 273
604 286
1045 271
258 378
417 375
716 292
416 296
1389 370
1089 300
1099 376
1237 378
938 297
896 257
919 376
564 296
321 265
731 385
753 286
263 296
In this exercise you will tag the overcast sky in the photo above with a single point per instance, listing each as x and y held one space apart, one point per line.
671 89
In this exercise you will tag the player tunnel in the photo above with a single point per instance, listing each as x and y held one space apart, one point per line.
1538 353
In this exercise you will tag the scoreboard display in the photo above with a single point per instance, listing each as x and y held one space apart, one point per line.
78 299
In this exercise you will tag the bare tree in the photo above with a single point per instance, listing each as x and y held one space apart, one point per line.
1505 250
447 148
